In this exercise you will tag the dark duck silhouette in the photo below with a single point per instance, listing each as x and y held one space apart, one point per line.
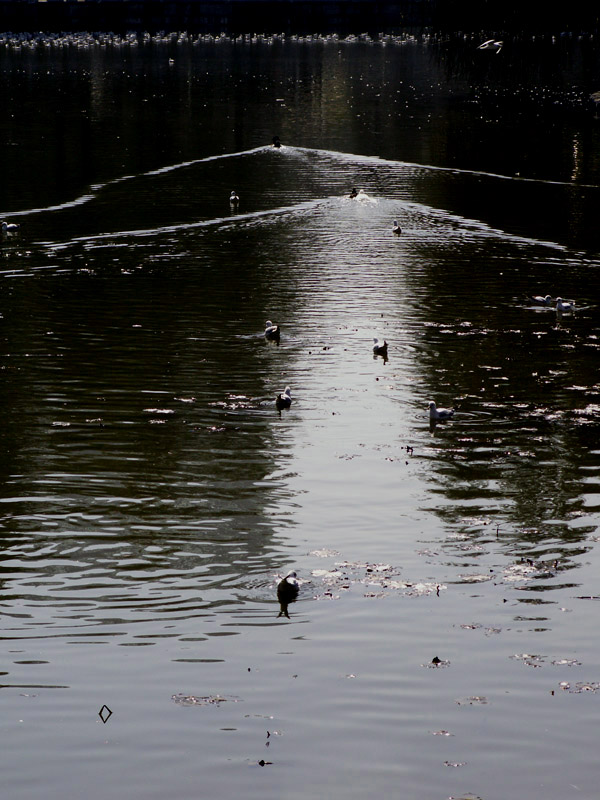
380 348
287 592
272 332
284 400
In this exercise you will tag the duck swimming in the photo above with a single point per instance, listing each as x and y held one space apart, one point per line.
272 332
564 305
234 199
10 227
439 413
353 194
284 400
288 588
276 141
287 592
380 348
538 300
396 228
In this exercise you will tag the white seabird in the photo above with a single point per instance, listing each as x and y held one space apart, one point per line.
538 300
564 305
10 227
439 413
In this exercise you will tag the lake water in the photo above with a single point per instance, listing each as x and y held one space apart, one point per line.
443 643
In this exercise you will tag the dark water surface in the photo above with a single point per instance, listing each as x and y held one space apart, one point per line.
152 493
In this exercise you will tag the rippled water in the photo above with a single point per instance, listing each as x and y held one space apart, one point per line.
443 643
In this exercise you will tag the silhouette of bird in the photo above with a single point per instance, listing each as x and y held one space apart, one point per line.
287 592
396 228
234 199
272 332
284 400
288 587
380 348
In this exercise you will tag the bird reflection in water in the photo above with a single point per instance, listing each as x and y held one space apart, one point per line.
287 592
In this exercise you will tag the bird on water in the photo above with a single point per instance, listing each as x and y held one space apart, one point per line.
272 332
284 400
439 413
287 592
564 305
380 348
288 587
539 300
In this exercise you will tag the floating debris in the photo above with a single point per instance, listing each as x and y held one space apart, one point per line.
454 763
473 701
566 662
529 660
473 578
579 688
324 553
466 797
441 733
379 580
194 700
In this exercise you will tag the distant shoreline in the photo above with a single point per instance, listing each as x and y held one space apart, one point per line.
296 16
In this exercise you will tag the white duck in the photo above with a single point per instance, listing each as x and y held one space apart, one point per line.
439 413
564 305
284 400
538 300
272 332
10 227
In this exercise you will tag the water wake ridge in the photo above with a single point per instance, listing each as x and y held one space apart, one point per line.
331 154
